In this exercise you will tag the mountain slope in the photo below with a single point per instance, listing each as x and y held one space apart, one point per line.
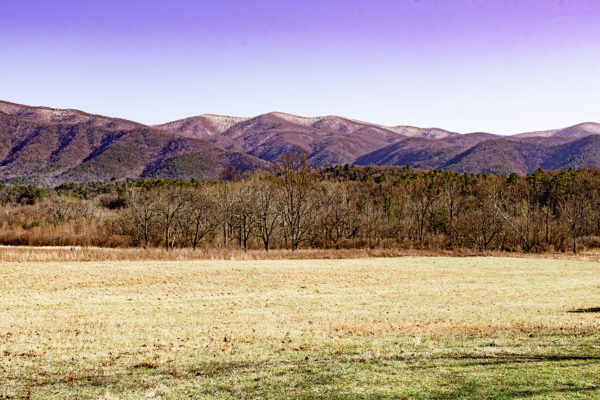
418 152
202 126
485 153
65 116
47 146
576 131
422 152
500 156
49 153
581 153
328 140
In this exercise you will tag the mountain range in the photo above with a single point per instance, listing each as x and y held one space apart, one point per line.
46 146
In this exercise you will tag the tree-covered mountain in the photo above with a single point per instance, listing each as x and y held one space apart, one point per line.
47 146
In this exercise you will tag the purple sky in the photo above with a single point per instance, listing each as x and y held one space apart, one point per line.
503 66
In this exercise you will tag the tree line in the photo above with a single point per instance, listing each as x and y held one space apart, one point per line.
296 206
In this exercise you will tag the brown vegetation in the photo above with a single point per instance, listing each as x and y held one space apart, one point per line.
82 254
333 208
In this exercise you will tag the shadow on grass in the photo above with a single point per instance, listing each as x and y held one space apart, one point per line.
503 359
467 386
297 378
585 310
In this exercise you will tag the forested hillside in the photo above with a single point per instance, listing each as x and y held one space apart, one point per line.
46 147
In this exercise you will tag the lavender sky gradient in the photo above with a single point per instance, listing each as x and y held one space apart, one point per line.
503 66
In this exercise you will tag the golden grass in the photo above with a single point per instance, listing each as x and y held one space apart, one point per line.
206 301
70 316
66 253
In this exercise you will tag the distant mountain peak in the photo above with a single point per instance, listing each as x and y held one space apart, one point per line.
48 145
45 146
576 131
68 115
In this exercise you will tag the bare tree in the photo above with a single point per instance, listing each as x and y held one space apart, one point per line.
224 205
198 221
336 212
515 211
242 211
170 202
423 194
266 215
576 212
297 196
482 221
454 198
59 208
140 216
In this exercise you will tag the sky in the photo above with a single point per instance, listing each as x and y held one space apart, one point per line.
501 66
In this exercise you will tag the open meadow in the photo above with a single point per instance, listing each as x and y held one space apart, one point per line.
381 328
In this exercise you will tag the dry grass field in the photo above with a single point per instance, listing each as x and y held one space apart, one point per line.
381 328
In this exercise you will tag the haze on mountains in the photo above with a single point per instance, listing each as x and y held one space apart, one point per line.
46 146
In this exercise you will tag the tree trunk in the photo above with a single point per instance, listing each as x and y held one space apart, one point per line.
167 239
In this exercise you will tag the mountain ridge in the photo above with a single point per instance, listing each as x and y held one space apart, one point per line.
48 146
74 147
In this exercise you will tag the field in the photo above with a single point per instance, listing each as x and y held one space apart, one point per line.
381 328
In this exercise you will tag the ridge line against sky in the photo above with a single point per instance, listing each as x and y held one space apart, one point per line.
314 117
463 65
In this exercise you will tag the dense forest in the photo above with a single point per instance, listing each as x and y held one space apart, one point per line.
296 206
